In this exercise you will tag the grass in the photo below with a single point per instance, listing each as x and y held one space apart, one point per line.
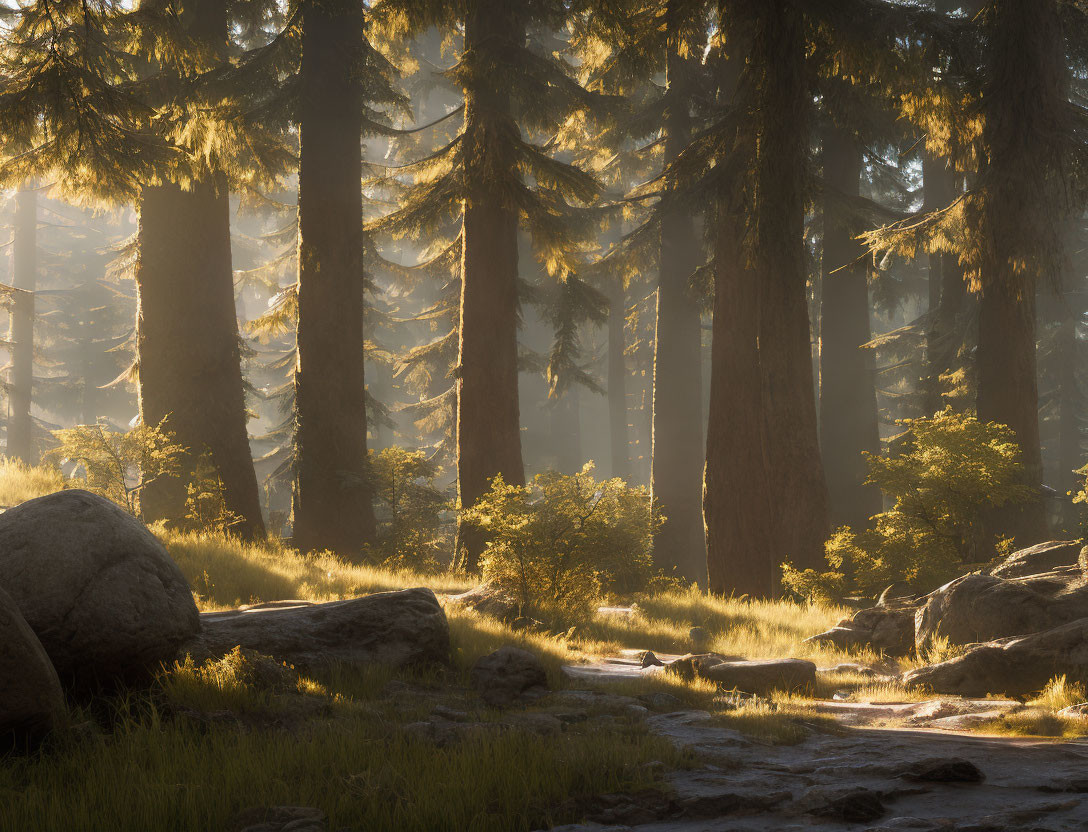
740 627
20 482
1040 716
227 573
157 771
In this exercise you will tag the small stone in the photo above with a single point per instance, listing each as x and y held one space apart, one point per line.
661 701
278 819
1078 711
852 805
502 677
443 712
699 636
648 659
303 825
944 770
543 724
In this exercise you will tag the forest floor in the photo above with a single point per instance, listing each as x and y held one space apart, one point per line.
612 744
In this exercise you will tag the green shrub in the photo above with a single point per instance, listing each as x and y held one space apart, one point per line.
952 471
413 532
117 465
561 541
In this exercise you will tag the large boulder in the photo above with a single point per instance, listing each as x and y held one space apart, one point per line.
96 587
503 677
31 701
887 628
1042 557
978 608
1012 666
401 628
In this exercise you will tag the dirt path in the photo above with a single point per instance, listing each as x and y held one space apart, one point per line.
861 778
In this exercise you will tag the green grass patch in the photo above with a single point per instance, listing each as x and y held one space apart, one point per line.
225 572
209 741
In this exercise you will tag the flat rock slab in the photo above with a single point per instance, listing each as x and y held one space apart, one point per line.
763 676
1013 666
1041 557
401 628
872 781
750 675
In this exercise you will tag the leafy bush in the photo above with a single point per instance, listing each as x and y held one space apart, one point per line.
953 469
117 465
412 531
561 541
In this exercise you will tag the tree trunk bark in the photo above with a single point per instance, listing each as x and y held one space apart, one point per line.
795 470
21 444
566 431
187 343
736 500
1008 393
488 417
1019 226
333 495
946 289
1070 407
848 416
187 347
617 383
677 448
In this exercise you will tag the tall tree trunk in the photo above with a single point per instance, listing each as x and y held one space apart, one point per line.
794 468
848 417
947 289
488 418
1060 309
1019 225
187 344
21 329
737 506
187 347
333 495
566 431
617 383
677 448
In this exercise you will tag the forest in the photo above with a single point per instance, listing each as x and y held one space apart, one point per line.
543 414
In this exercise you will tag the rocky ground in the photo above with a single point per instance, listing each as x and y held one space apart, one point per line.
117 607
858 779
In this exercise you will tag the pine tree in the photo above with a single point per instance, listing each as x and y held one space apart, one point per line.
782 116
1026 124
333 501
79 109
187 341
622 47
513 92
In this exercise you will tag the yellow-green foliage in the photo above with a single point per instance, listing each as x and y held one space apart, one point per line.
758 629
408 507
1060 693
953 468
225 572
20 482
1041 717
115 464
556 543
